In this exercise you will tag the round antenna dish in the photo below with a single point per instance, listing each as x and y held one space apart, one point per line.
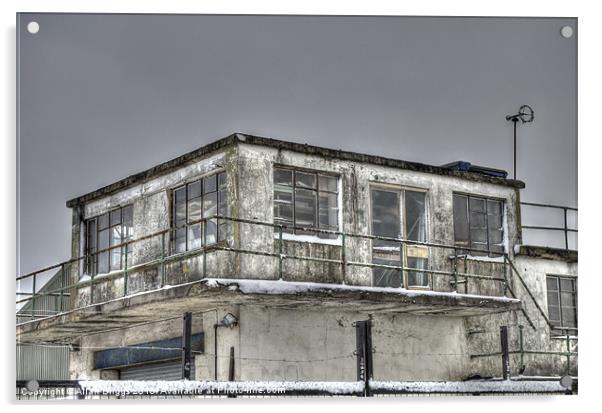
526 114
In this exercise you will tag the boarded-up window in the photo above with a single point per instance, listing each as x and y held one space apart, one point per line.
478 224
562 301
306 199
194 207
107 232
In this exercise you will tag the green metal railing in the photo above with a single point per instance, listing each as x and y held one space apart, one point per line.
522 351
565 228
74 269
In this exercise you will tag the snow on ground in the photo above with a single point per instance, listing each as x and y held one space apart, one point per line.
212 387
125 387
247 286
473 386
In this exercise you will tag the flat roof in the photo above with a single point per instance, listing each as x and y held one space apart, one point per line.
237 138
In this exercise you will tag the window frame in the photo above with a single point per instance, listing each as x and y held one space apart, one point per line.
92 259
401 190
299 235
561 326
220 225
504 228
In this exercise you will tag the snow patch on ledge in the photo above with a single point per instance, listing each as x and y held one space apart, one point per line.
250 286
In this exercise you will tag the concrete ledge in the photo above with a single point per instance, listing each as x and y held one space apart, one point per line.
210 293
547 253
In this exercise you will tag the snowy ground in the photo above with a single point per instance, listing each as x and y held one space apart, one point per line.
185 387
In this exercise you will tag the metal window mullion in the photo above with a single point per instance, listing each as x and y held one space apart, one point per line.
487 227
294 186
559 294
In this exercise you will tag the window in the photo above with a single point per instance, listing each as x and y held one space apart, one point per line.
306 199
479 224
562 301
194 201
388 206
104 232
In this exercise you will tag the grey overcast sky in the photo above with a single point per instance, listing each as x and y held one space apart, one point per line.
105 96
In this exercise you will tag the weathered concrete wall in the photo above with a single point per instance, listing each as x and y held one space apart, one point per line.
485 336
279 344
256 202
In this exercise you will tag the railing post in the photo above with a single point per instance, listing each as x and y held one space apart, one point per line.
343 259
61 309
280 252
505 276
163 259
455 270
204 244
566 230
505 358
125 271
568 353
33 297
92 275
401 264
521 347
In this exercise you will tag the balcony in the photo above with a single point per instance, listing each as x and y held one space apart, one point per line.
252 263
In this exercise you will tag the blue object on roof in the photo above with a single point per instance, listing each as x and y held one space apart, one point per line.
464 166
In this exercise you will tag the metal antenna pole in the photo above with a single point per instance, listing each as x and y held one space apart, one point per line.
514 120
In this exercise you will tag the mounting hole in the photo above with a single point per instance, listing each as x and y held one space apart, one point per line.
33 27
566 32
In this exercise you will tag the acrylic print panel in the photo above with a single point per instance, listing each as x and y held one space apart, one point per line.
345 205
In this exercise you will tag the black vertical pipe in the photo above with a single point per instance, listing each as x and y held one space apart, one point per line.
368 349
566 231
505 358
363 340
186 344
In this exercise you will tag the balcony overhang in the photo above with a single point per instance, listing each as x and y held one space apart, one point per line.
210 293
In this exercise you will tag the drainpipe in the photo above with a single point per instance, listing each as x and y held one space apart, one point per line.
229 321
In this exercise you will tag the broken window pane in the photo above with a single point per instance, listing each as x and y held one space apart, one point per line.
418 278
305 209
328 213
415 213
128 222
283 204
180 239
210 232
386 277
209 205
305 180
195 239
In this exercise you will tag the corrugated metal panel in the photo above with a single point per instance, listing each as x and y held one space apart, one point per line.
170 370
42 363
